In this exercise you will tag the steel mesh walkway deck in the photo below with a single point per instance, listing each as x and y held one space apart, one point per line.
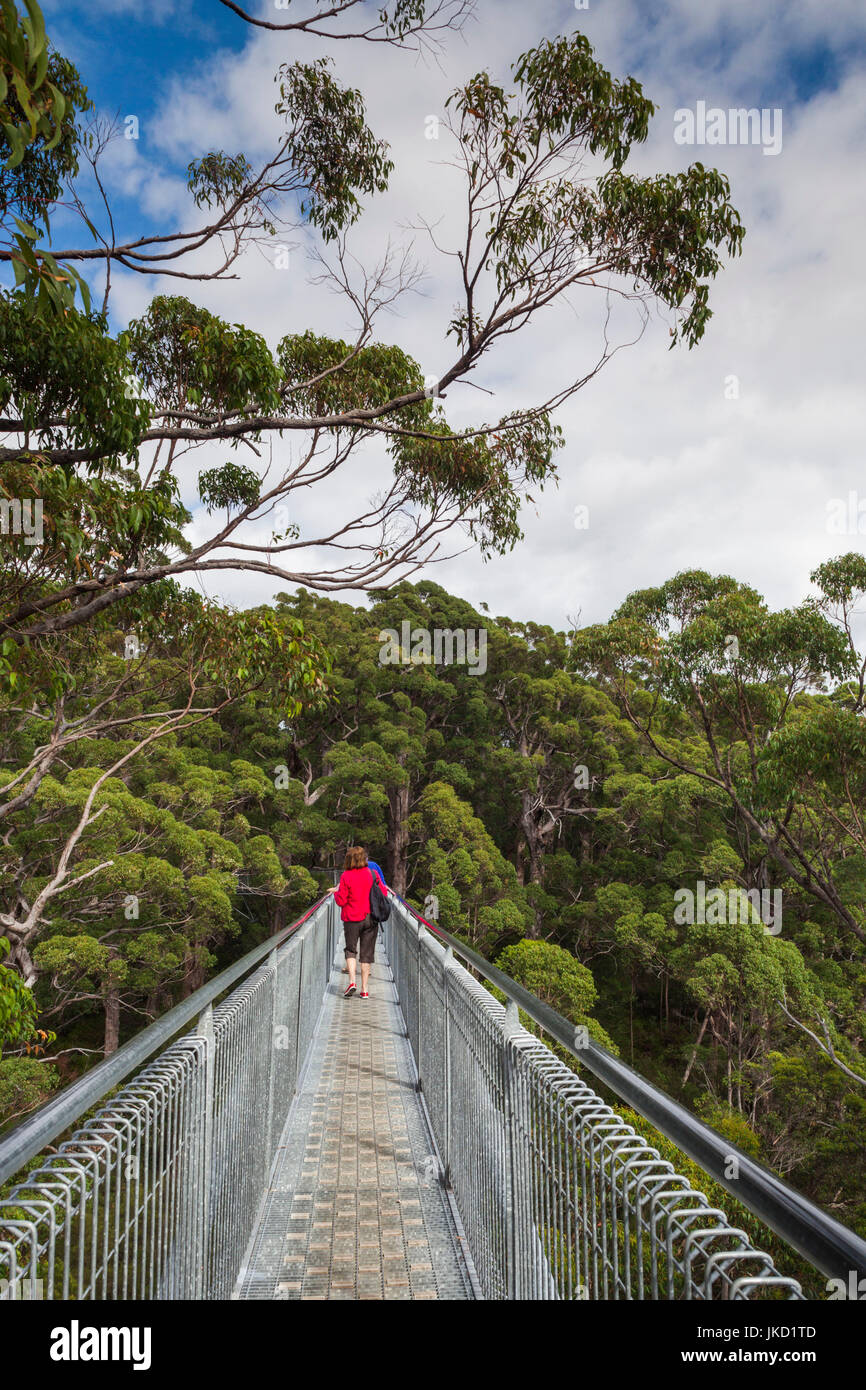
356 1208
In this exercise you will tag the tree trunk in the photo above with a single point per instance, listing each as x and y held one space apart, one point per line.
520 861
534 847
193 975
112 1023
20 958
532 836
398 839
700 1038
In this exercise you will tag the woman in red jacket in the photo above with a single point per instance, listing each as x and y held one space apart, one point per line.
352 896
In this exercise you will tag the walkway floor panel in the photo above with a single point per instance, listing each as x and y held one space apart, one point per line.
356 1209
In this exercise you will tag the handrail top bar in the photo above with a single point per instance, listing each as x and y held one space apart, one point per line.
828 1245
56 1115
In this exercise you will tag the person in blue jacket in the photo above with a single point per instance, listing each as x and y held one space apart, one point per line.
371 864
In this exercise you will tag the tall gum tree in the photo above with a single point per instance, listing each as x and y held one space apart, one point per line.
536 232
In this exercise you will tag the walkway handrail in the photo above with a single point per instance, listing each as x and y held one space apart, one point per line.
155 1190
54 1117
828 1245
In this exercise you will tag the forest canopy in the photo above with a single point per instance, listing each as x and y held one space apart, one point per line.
556 805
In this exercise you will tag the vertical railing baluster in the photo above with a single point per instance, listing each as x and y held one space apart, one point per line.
510 1026
272 1060
205 1030
421 930
300 949
446 1128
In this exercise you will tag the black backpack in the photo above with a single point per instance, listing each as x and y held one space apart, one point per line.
380 908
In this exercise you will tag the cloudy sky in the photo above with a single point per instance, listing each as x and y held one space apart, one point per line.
728 457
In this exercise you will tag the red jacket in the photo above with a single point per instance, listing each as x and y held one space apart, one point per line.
353 894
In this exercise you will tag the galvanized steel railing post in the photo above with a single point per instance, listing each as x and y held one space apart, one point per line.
418 1007
272 1055
446 1157
510 1025
302 942
205 1030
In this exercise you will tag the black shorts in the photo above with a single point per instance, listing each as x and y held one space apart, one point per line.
365 932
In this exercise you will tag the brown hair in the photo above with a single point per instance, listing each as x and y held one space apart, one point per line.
356 858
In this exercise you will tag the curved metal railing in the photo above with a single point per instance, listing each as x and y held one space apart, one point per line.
155 1194
560 1197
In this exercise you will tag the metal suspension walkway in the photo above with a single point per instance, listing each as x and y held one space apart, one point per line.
267 1138
355 1208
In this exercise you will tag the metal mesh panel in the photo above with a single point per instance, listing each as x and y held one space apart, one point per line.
560 1198
600 1215
244 1054
477 1142
155 1195
315 964
432 1034
285 1075
408 985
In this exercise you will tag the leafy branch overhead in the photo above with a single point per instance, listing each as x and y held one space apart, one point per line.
99 425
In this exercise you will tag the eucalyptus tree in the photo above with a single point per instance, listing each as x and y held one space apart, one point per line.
475 885
762 710
554 976
326 161
535 233
560 739
747 682
395 720
81 742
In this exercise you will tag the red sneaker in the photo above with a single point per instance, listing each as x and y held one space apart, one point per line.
350 990
364 994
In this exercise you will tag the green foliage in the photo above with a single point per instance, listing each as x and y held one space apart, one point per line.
330 145
41 96
327 376
231 485
25 1083
476 886
661 233
218 179
18 1011
66 379
730 1124
489 470
184 355
33 108
556 978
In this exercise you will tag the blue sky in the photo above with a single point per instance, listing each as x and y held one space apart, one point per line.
675 473
128 52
